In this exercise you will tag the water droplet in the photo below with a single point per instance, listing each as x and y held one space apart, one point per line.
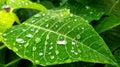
75 53
37 61
26 44
78 36
34 48
51 43
37 15
73 43
43 14
49 53
51 47
91 12
68 26
82 28
26 4
4 34
23 30
87 7
75 20
61 42
29 35
37 40
71 15
5 39
33 21
40 54
52 57
32 29
47 25
61 15
20 40
5 6
56 26
57 52
72 51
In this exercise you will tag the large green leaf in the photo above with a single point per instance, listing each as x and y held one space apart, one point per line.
56 37
112 38
15 4
111 20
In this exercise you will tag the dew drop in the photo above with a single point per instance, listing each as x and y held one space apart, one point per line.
75 53
51 47
29 35
73 43
87 7
75 20
20 40
37 40
61 15
23 30
49 53
37 61
68 26
26 44
51 43
78 36
82 28
52 57
40 54
32 29
57 52
47 25
71 15
4 34
91 12
72 51
34 48
61 42
43 14
56 26
32 21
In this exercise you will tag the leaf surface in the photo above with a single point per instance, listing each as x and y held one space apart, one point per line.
56 37
15 4
112 38
110 21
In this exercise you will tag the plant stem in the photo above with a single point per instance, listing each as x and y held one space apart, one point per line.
1 47
12 62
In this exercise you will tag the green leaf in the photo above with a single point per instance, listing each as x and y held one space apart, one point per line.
88 12
110 21
2 2
6 20
57 37
16 4
112 38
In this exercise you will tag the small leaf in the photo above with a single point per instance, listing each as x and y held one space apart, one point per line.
110 21
56 37
6 20
15 4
